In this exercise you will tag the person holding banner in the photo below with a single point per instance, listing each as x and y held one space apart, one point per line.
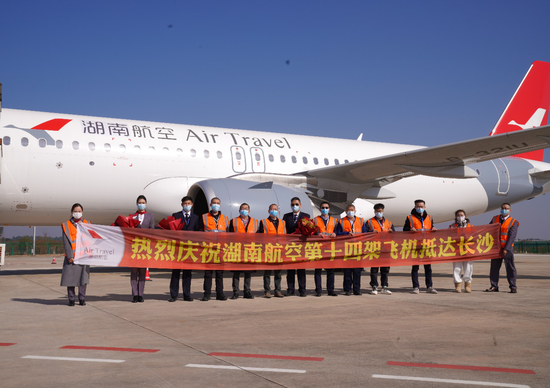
508 232
243 224
327 228
351 225
420 220
291 220
190 222
272 225
137 275
379 224
458 266
74 275
214 221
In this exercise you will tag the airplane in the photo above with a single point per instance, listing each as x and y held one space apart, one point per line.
48 161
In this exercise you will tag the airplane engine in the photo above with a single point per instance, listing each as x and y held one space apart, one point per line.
234 192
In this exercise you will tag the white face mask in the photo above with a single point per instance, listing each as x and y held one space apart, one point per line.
77 215
460 219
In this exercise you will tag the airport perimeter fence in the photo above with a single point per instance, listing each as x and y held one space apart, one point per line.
532 246
25 248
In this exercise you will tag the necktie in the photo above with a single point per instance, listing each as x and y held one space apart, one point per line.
295 218
187 219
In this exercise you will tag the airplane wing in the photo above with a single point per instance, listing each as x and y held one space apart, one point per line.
445 161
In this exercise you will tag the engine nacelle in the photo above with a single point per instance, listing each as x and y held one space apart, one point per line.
234 192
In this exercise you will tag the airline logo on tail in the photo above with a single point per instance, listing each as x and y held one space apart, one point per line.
533 122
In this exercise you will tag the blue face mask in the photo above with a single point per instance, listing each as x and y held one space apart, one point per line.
274 213
295 209
244 213
421 210
187 208
504 212
351 214
141 206
324 211
379 215
216 207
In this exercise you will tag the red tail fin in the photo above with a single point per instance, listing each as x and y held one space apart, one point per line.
529 105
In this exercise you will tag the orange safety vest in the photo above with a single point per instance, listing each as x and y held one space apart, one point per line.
375 225
357 226
504 228
270 228
70 231
417 224
239 227
321 224
455 225
210 222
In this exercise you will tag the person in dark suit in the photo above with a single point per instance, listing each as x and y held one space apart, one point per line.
291 220
191 223
137 275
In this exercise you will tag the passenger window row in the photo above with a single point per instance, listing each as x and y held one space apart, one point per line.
206 153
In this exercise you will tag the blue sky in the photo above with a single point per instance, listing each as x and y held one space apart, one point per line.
416 72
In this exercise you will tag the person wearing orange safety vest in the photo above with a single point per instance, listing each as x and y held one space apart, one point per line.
272 225
420 220
458 266
379 224
214 221
508 232
74 275
351 225
327 228
243 224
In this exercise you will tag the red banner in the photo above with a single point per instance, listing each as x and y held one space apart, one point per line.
128 247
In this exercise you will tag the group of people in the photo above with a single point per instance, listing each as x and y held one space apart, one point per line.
75 275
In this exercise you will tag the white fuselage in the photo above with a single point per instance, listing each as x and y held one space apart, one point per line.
104 164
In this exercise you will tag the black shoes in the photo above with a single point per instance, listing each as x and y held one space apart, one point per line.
171 299
332 294
357 293
235 296
303 294
221 297
347 293
290 293
81 302
492 289
317 294
140 299
205 298
71 303
187 299
136 299
248 296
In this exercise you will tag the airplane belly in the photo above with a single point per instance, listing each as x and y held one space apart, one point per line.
443 197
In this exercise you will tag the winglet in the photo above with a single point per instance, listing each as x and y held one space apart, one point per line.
529 105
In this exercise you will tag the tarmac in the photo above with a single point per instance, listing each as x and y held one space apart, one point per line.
399 340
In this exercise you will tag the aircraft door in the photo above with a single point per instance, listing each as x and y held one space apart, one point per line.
258 160
503 176
238 159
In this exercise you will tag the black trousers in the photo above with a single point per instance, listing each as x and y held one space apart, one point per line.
291 280
352 276
511 273
427 275
208 282
330 280
185 283
247 281
384 271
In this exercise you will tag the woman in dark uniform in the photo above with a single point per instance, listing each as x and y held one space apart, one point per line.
74 275
137 275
